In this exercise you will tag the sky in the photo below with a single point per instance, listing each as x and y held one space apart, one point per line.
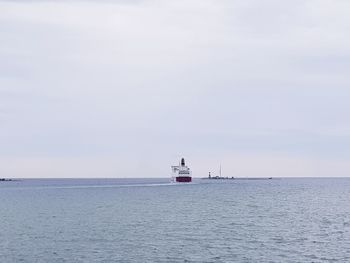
126 88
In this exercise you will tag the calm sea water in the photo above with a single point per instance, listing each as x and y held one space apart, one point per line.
150 220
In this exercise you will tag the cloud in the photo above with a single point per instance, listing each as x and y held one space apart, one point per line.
85 80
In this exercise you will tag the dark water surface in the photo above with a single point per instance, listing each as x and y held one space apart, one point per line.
150 220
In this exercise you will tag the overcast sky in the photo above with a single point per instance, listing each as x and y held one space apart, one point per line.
125 88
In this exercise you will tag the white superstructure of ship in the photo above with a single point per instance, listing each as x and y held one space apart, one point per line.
181 173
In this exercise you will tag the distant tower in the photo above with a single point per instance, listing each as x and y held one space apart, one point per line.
183 162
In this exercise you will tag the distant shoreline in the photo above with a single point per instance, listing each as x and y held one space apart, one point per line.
7 180
237 178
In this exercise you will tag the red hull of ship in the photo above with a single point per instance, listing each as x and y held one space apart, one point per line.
181 179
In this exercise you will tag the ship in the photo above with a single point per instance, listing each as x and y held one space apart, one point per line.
181 173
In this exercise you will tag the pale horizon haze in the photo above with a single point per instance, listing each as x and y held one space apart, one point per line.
126 88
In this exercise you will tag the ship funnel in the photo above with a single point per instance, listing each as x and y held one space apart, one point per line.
183 162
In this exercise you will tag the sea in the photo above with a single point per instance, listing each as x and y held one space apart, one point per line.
152 220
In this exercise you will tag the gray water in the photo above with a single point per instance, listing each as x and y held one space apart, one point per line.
150 220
